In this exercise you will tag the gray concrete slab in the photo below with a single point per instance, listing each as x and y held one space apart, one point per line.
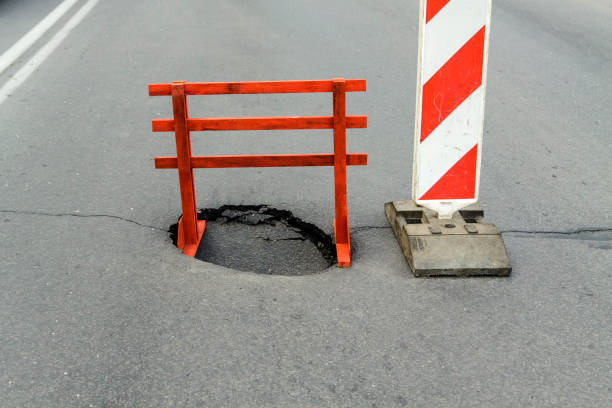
98 308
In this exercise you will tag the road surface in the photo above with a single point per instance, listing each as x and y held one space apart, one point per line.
99 309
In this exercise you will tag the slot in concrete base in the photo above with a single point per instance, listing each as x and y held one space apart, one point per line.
465 245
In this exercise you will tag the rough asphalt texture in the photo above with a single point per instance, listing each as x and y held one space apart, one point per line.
277 249
98 308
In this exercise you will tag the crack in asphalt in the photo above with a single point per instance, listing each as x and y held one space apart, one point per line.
282 239
362 228
355 230
577 231
566 232
78 215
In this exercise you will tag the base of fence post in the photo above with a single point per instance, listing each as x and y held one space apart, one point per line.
343 249
465 245
191 248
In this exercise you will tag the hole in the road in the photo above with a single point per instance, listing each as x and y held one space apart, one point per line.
261 239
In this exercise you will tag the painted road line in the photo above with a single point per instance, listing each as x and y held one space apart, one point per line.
25 42
16 80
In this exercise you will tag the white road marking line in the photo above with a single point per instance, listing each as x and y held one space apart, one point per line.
25 42
13 83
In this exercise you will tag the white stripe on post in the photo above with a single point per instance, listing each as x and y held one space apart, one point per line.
436 149
452 27
451 83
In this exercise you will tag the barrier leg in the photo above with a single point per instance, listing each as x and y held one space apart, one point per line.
190 230
341 230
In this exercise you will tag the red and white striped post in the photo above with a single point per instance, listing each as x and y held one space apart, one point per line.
442 230
451 79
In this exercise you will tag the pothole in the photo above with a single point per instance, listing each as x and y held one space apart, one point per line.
261 239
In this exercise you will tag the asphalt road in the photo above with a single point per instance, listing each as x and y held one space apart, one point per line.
98 308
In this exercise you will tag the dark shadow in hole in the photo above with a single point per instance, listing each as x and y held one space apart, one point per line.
280 243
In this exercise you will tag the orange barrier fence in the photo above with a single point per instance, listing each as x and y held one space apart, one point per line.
190 229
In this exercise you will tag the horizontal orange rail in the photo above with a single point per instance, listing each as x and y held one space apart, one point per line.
272 160
220 88
272 123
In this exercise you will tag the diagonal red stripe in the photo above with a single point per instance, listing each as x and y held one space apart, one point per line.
452 84
457 183
433 7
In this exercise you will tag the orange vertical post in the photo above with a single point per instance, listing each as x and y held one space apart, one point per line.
188 232
341 232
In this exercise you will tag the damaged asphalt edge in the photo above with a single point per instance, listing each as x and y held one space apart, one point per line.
262 214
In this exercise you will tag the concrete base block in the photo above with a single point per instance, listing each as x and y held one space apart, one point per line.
465 245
